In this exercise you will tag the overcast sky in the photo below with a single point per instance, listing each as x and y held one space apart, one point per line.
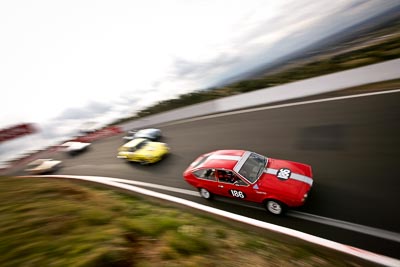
63 63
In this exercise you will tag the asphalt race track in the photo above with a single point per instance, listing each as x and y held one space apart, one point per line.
352 144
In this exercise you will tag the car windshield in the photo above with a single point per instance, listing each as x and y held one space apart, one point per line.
140 145
201 161
253 167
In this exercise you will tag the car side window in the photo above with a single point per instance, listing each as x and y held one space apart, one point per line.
208 174
239 181
230 177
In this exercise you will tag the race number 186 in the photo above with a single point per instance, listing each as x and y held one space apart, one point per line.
237 193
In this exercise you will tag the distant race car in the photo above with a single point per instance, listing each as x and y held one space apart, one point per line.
277 184
129 136
74 147
150 133
143 151
42 166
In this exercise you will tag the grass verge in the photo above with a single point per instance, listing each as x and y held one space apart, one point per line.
46 222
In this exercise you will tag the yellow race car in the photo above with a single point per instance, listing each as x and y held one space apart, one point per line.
143 151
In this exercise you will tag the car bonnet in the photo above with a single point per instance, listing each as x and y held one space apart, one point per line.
283 173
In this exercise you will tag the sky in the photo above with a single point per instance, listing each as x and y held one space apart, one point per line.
64 63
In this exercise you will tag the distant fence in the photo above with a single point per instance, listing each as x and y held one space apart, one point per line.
385 71
106 132
91 137
16 131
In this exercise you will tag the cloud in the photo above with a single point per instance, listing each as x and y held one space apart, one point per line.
89 111
197 70
107 63
300 24
261 36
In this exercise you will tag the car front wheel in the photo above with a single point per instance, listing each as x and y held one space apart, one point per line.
204 193
274 206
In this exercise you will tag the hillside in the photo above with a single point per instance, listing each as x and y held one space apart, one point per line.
373 41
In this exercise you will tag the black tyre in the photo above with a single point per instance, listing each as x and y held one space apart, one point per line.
204 193
144 162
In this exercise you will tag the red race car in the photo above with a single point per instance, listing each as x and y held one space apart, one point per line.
246 175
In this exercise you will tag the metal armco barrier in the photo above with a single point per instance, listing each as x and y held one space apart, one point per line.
106 132
380 72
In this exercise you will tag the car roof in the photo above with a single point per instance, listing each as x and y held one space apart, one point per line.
134 142
223 159
38 162
148 131
71 143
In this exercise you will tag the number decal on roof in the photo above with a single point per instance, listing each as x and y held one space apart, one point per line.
284 173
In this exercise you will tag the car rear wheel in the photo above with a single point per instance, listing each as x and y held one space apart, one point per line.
144 162
275 207
204 193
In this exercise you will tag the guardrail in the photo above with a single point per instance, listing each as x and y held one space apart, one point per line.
102 133
385 71
388 70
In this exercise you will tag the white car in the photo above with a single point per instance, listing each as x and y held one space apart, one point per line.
73 147
41 166
150 133
130 135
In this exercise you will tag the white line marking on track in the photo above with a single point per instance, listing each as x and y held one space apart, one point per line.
384 234
157 186
364 254
347 225
279 106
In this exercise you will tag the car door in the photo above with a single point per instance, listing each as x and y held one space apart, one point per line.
206 179
232 185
